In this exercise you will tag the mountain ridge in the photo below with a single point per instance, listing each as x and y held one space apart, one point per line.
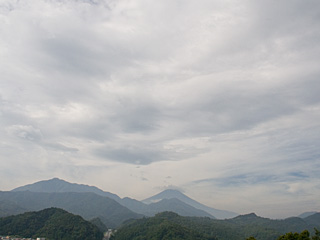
51 223
173 193
60 185
238 228
86 204
195 208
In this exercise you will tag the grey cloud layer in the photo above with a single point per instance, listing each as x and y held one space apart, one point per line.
135 82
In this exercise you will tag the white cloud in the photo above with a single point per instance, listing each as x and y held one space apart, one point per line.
216 91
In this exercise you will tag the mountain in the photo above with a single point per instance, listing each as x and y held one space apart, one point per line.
159 227
177 206
313 219
238 228
87 205
52 223
8 208
58 185
295 224
171 193
306 214
173 205
136 206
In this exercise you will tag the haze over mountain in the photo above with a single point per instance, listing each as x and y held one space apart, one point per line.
177 206
86 204
306 214
175 194
106 213
58 185
178 202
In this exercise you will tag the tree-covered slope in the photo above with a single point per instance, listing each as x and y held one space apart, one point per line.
87 205
158 228
51 223
239 228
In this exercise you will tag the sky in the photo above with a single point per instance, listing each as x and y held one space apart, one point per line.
217 99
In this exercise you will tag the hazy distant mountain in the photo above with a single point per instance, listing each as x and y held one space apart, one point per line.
170 193
173 205
87 205
136 206
282 226
8 208
177 206
306 214
313 219
58 185
52 223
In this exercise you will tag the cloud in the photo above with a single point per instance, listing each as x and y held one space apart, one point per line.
25 132
133 155
218 90
255 178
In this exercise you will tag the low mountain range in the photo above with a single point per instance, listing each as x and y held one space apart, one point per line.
108 208
238 228
171 194
88 205
168 200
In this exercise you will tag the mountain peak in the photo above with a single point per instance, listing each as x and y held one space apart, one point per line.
174 193
171 192
59 185
166 194
55 179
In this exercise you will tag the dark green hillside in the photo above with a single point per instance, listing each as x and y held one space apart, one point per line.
87 205
97 221
51 223
313 219
157 228
239 228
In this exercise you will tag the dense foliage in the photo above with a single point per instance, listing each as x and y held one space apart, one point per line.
304 235
51 223
157 228
243 227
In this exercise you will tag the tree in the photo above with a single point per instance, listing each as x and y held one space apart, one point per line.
305 235
317 234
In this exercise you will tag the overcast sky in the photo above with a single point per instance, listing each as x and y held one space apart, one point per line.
218 99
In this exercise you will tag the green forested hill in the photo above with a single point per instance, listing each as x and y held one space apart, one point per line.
239 228
51 223
88 205
162 226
